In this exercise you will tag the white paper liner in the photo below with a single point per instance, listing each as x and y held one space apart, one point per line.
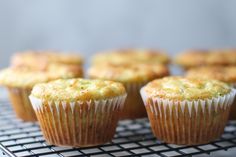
85 127
116 102
221 102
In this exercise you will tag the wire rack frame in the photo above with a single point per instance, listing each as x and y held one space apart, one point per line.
133 138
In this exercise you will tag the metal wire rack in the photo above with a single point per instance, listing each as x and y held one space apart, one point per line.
133 138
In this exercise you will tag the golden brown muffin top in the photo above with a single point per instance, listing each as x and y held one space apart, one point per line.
127 73
131 55
78 90
192 58
222 73
38 60
181 88
27 78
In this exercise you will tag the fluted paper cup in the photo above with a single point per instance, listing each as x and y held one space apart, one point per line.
232 113
80 123
188 122
133 107
19 98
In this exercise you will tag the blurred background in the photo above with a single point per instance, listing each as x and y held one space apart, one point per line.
91 26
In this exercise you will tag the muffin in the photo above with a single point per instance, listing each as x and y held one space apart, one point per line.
133 77
78 112
39 60
195 58
222 73
131 56
19 82
187 111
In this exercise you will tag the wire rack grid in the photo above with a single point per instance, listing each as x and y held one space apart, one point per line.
133 138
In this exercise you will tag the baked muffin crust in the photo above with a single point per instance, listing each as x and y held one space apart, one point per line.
192 58
27 78
131 55
128 72
222 73
78 89
40 59
180 88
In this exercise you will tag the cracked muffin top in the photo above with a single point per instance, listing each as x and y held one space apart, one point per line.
223 73
126 73
131 56
27 78
78 90
38 60
181 88
193 58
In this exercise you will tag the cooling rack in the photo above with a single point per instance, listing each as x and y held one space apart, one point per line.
133 138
